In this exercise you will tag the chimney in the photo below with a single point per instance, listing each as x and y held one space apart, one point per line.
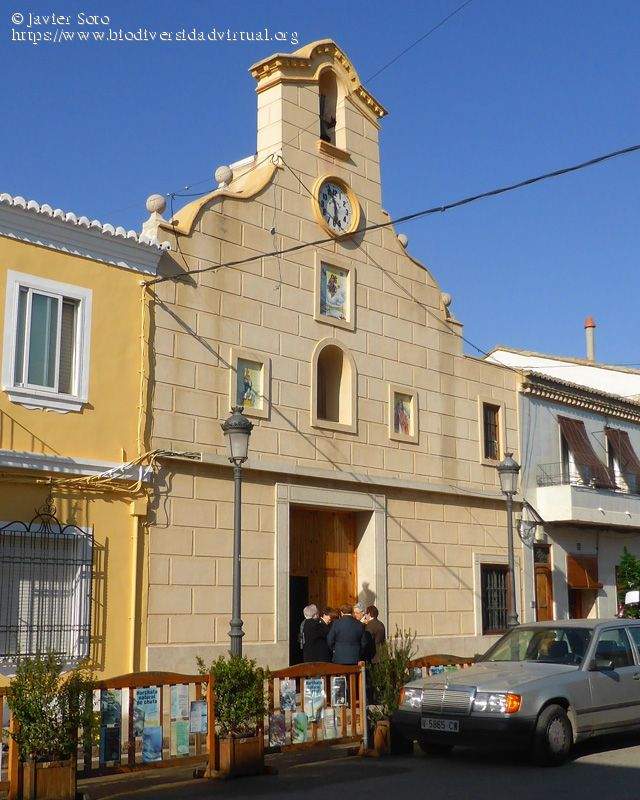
590 334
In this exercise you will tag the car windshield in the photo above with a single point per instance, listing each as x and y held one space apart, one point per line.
545 645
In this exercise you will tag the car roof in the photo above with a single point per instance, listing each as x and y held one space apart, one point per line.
580 623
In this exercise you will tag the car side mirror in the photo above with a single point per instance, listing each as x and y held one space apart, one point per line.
599 664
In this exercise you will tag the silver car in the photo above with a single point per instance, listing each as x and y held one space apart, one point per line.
542 686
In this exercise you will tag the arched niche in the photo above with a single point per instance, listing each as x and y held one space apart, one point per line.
334 382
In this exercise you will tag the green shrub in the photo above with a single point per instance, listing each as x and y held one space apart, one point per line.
628 578
391 671
240 703
49 706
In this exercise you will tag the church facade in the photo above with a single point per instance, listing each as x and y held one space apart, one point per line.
371 472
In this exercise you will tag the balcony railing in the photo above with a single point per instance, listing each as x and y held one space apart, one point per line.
563 474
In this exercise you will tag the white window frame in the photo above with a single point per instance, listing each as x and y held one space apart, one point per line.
37 396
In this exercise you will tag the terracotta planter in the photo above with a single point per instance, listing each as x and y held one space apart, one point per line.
240 757
388 741
382 738
49 780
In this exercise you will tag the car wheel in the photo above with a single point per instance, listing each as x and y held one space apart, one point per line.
430 748
553 737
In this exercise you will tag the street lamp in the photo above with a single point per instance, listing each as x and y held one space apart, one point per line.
508 473
237 428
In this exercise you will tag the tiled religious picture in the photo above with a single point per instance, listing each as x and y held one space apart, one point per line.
403 414
334 292
249 391
402 421
250 382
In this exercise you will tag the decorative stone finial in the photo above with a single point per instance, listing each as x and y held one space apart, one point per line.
446 299
224 175
156 203
403 239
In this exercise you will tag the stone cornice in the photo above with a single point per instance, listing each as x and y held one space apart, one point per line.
359 478
66 465
28 221
306 63
571 394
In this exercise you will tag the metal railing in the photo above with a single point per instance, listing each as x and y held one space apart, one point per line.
563 474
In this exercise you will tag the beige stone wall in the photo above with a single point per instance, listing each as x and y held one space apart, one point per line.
401 332
433 542
401 336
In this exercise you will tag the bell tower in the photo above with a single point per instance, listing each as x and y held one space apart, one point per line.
312 105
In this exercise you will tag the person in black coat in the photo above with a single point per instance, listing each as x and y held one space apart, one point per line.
347 638
314 634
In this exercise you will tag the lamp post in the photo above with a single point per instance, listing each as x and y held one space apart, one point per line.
237 428
508 473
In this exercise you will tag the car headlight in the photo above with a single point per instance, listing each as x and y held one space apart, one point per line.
497 702
411 696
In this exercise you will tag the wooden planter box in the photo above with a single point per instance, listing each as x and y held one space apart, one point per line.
49 780
240 757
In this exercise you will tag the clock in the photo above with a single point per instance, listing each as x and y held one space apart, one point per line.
336 206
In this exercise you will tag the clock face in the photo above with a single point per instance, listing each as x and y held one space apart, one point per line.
335 207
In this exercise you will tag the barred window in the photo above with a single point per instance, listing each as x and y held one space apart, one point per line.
495 597
45 589
491 430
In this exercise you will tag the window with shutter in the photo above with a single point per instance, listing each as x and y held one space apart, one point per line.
46 342
591 470
491 431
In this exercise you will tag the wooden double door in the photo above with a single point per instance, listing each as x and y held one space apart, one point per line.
323 550
543 582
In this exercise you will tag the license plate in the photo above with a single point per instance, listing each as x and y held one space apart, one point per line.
441 725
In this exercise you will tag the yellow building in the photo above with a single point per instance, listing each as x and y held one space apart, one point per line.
71 436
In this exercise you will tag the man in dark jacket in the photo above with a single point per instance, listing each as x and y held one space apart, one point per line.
376 628
314 636
347 638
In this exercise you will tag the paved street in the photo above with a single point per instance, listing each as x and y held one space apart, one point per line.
610 770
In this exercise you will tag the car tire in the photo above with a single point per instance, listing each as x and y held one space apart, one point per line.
553 737
430 748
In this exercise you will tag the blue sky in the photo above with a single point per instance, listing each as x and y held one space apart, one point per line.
506 90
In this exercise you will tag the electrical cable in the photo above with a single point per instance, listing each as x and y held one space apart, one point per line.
409 217
396 58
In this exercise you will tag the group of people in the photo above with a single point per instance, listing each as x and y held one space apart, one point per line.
345 636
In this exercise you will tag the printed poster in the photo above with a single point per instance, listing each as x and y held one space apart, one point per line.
110 707
314 698
179 702
198 716
179 738
338 690
146 709
277 730
110 721
299 728
287 694
329 724
109 744
151 745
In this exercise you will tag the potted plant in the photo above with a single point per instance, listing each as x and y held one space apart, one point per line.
49 706
240 706
388 675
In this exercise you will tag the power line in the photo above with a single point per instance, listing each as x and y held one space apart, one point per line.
417 41
396 58
409 217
